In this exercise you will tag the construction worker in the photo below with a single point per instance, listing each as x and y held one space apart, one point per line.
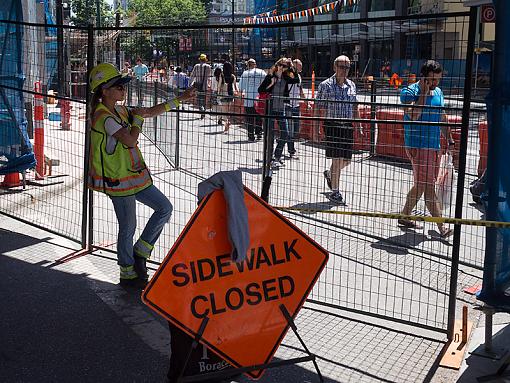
117 168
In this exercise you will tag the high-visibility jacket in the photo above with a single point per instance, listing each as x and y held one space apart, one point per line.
122 172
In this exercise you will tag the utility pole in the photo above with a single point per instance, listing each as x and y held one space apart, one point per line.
98 13
117 40
279 30
233 35
60 49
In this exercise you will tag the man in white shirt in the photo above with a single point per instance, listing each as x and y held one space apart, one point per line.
248 84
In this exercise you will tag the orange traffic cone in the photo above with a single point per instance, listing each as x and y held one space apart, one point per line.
11 180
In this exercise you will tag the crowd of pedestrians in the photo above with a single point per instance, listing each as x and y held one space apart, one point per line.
279 92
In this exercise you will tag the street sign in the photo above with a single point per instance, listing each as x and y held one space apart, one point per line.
488 13
241 300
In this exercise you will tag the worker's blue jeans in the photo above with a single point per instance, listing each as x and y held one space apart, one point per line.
125 210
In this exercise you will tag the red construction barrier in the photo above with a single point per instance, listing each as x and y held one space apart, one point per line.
11 180
65 114
483 135
237 108
390 136
38 131
307 129
362 142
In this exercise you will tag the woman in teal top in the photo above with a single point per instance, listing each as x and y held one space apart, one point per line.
423 142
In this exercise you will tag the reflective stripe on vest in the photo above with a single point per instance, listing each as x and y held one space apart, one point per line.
122 172
143 249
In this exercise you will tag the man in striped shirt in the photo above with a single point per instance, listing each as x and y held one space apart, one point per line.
336 98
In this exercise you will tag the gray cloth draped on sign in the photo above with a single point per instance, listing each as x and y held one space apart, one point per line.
238 231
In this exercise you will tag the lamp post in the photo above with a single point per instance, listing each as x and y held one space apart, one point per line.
233 34
279 30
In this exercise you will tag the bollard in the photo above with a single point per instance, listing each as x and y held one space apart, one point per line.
39 131
65 114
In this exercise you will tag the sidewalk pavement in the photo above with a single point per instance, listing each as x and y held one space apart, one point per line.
58 324
72 322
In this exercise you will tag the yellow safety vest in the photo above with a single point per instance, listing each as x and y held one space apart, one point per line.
121 173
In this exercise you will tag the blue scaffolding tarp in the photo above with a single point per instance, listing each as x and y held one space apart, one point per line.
51 46
16 152
496 275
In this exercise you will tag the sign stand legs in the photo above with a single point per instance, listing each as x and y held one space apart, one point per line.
236 371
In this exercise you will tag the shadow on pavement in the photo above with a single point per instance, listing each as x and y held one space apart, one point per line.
11 240
478 366
55 328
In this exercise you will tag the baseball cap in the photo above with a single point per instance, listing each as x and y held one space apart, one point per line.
251 61
202 57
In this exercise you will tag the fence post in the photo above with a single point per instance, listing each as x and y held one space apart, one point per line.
267 173
177 136
86 223
39 131
130 93
462 171
373 100
155 118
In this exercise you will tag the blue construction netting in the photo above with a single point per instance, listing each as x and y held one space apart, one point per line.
51 47
16 153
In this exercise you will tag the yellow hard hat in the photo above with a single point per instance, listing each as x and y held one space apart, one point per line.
107 75
202 57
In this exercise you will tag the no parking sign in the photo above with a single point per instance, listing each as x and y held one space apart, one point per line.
488 13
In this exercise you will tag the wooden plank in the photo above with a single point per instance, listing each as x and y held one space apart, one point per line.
454 354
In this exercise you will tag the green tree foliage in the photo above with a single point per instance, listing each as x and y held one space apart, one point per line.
160 13
85 11
167 12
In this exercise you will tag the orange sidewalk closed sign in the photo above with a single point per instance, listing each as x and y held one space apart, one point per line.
241 300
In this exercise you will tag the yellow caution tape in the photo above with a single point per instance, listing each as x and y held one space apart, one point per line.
455 221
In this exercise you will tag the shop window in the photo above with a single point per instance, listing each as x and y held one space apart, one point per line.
382 5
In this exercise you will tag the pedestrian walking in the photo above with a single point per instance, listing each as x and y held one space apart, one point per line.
277 83
118 169
162 74
296 95
141 72
180 81
423 142
171 79
225 98
336 98
215 83
249 83
126 69
200 80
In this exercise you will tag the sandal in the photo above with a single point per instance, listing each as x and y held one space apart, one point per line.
445 232
408 223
